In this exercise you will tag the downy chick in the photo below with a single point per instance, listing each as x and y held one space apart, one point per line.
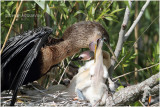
90 80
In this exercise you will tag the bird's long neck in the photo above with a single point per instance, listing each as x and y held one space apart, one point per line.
52 55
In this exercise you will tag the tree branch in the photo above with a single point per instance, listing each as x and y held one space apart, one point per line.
121 36
132 93
136 21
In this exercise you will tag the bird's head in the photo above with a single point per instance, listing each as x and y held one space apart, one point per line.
85 33
95 50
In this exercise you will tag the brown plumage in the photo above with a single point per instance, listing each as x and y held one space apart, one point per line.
78 36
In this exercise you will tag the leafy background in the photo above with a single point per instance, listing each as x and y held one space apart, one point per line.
61 14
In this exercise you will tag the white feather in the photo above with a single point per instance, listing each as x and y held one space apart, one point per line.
105 74
86 66
92 68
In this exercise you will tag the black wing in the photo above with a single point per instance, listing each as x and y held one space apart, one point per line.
19 59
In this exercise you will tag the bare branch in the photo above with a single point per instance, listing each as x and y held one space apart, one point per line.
121 36
122 31
132 93
136 21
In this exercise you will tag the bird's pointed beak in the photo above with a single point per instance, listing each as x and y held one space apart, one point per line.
94 45
95 53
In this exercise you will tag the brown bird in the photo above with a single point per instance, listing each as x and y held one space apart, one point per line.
30 55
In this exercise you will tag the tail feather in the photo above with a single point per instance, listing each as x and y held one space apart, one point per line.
26 64
25 68
26 45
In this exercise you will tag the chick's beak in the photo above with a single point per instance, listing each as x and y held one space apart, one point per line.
95 53
93 46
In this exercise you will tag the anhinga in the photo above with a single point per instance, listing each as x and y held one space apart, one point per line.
89 83
30 55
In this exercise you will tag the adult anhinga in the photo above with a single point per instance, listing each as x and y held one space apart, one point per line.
30 55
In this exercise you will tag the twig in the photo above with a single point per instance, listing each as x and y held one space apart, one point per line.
11 27
136 45
141 103
65 70
136 21
135 71
44 92
110 4
110 49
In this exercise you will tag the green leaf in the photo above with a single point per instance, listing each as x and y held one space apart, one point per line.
120 87
93 11
147 15
108 18
7 12
10 3
102 14
46 8
103 23
63 5
125 65
115 20
78 12
116 11
72 3
104 2
88 3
